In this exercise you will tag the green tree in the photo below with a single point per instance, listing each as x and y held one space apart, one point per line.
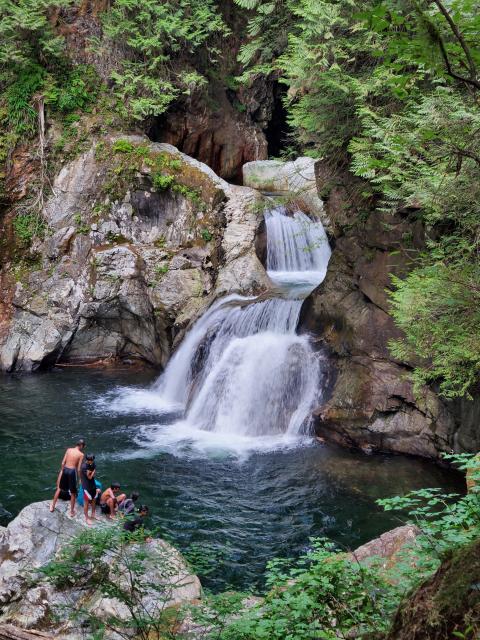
162 49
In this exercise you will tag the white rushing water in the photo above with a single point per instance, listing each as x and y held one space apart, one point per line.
242 377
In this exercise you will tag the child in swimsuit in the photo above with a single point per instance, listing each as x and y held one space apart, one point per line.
89 488
110 499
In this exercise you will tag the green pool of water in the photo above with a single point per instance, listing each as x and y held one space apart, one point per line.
246 510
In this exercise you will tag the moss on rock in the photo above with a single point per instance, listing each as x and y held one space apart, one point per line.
447 605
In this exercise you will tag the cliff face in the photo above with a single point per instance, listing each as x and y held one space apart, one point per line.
223 125
372 404
140 239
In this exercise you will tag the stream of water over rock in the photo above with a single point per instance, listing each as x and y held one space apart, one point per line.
242 378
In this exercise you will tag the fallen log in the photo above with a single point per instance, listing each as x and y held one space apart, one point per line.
9 632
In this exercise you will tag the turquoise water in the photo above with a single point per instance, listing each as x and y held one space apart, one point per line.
246 509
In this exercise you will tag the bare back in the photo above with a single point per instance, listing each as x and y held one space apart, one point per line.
73 458
108 493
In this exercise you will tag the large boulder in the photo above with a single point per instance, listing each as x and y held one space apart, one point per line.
388 547
294 180
29 601
140 239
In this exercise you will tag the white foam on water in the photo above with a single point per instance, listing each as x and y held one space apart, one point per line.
242 379
184 440
134 401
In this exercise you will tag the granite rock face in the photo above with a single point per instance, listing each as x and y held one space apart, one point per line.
125 265
27 600
372 404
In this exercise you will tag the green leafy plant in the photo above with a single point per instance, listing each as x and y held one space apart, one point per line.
162 181
160 45
122 146
161 270
82 227
324 594
27 226
118 564
206 235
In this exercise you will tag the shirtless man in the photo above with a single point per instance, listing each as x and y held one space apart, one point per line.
110 500
69 472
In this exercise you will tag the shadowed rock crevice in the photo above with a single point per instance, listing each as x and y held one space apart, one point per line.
220 132
278 130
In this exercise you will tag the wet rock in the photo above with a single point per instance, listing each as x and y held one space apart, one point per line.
242 270
35 536
372 403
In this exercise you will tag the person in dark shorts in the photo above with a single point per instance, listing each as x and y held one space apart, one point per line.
133 524
110 499
69 472
127 506
89 488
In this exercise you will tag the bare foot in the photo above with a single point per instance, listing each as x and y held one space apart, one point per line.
52 508
72 514
89 522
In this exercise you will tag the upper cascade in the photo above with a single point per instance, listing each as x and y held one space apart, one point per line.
297 249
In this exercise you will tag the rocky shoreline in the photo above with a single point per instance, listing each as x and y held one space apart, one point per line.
27 600
35 538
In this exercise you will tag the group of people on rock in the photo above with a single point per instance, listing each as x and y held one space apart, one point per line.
76 465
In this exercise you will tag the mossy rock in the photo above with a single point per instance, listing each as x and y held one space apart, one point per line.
448 605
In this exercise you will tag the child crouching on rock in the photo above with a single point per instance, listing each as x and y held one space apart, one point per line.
110 500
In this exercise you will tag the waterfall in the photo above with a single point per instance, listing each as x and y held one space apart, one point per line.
296 246
242 371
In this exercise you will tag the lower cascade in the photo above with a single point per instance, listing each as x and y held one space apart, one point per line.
242 371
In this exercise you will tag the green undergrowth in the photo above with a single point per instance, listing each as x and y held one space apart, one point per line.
326 594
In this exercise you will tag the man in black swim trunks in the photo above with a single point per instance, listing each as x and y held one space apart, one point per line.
69 472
